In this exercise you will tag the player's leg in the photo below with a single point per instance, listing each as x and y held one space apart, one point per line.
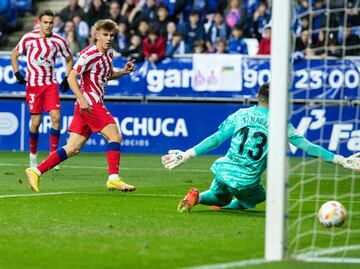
248 198
114 138
35 121
73 147
35 105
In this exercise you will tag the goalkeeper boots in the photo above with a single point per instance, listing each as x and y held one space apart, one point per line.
191 199
33 179
120 185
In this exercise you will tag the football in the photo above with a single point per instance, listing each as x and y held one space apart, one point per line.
332 213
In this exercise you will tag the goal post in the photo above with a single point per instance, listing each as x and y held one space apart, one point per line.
278 117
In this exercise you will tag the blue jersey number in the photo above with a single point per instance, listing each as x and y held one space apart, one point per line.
260 146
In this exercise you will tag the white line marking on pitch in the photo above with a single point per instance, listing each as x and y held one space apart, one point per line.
229 264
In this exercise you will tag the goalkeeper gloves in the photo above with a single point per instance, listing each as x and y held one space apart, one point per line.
20 78
64 86
175 158
352 162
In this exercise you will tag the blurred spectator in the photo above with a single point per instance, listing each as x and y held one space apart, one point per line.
82 30
73 43
178 8
334 49
85 5
92 37
319 18
70 10
302 7
221 46
114 11
319 45
143 28
352 42
58 25
149 11
236 43
261 18
134 51
218 29
97 11
199 46
154 46
212 6
235 14
132 12
69 27
193 31
301 24
302 41
265 42
170 31
122 36
162 20
176 45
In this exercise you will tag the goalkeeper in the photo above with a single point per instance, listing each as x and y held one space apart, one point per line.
238 173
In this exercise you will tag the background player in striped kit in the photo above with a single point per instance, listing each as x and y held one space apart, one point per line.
41 48
90 113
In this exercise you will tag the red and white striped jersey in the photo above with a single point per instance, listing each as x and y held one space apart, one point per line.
41 55
95 69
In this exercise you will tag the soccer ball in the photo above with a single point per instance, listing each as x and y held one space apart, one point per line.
332 213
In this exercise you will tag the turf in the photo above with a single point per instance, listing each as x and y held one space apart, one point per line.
81 225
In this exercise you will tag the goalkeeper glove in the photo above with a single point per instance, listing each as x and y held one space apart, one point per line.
352 162
175 158
20 78
64 86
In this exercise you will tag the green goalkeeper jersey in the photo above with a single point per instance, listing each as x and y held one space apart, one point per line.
245 161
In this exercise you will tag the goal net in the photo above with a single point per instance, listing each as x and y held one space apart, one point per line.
325 78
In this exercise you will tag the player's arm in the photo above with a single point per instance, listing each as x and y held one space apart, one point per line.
15 66
352 162
128 68
175 158
72 80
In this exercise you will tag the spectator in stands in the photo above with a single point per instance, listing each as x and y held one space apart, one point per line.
194 30
218 29
74 44
178 9
69 27
92 37
265 42
302 42
149 11
170 31
319 18
154 46
302 7
114 11
162 20
319 45
301 24
176 46
352 42
334 49
81 29
221 46
199 46
143 29
261 18
235 14
132 13
85 5
212 6
135 50
97 11
58 25
236 43
70 10
122 37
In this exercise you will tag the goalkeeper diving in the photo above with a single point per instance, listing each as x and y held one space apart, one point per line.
238 174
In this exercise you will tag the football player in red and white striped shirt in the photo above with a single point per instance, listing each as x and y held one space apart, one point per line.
90 113
41 48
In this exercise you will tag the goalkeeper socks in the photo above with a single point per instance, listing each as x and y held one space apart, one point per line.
33 142
54 139
52 160
113 158
209 198
235 204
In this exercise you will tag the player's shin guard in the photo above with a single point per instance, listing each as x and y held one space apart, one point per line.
54 139
33 142
113 158
52 160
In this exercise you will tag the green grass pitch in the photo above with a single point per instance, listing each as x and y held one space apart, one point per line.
82 225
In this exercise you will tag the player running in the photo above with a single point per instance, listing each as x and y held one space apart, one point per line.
41 48
90 114
238 173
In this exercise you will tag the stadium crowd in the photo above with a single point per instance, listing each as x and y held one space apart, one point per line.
155 29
